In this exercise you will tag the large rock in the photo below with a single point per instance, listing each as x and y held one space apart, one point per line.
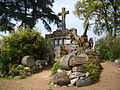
78 69
79 60
117 63
57 52
73 81
91 52
81 83
65 61
28 61
61 78
76 75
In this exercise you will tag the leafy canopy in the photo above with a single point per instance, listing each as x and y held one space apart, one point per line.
26 42
104 13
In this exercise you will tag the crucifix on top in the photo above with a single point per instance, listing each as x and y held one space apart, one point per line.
63 14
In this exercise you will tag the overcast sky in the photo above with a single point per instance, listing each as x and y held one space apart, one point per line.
71 20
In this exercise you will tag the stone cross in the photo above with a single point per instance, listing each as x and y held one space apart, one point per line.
63 14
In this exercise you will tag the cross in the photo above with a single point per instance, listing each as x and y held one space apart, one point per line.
63 14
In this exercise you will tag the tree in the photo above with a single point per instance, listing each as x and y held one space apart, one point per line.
105 13
27 12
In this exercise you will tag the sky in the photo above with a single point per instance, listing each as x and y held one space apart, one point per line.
72 21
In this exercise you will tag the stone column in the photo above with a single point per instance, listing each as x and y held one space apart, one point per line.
58 42
63 41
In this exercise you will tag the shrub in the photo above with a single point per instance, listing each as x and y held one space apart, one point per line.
19 44
5 60
55 67
26 42
108 48
8 67
19 70
94 68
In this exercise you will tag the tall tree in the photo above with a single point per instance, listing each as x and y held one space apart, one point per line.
105 13
28 12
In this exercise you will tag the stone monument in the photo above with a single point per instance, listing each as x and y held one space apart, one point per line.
63 14
59 36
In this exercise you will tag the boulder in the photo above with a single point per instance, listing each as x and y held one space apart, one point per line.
61 78
73 81
117 63
17 77
81 83
28 61
79 60
76 75
78 69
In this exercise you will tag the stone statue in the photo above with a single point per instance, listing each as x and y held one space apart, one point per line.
63 14
82 40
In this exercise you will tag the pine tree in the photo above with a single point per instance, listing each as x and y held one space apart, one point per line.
28 12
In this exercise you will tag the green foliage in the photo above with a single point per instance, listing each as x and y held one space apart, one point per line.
8 66
26 42
50 89
92 57
104 13
94 68
55 67
5 60
108 48
27 12
20 70
19 44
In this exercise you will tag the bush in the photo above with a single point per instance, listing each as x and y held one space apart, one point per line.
5 60
108 48
94 68
19 44
26 42
19 70
55 67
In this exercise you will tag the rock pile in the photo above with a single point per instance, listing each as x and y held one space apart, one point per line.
72 73
30 62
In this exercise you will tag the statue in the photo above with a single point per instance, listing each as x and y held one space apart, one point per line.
82 40
63 14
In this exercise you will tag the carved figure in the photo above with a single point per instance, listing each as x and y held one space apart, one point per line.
82 40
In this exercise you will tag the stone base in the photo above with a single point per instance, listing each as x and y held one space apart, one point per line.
81 83
78 69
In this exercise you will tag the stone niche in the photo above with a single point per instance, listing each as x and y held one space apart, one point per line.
59 37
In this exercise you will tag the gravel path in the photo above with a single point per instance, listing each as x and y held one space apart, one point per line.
109 80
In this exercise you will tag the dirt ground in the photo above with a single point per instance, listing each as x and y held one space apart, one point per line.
109 80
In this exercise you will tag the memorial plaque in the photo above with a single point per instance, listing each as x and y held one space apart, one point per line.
78 60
